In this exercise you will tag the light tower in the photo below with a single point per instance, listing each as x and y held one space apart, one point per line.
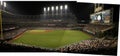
56 10
66 8
52 8
5 5
48 9
61 9
44 11
2 8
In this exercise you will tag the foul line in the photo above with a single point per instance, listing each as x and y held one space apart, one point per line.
17 36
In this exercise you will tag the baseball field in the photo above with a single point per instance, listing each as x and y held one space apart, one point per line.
50 38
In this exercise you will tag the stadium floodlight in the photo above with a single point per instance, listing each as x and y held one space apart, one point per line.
44 9
56 7
48 8
5 4
52 8
66 7
61 7
1 2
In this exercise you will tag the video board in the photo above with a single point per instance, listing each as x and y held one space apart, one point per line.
103 17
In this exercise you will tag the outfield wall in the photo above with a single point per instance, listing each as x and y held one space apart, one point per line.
50 28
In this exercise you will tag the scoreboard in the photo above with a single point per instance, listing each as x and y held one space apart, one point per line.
102 17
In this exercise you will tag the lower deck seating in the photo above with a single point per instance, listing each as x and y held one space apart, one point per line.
13 33
94 46
92 28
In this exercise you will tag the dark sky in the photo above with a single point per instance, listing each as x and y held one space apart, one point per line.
81 10
32 7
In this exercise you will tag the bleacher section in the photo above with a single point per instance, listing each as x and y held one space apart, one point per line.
11 30
93 28
93 46
8 27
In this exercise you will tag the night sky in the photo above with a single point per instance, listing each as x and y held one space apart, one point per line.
33 7
81 10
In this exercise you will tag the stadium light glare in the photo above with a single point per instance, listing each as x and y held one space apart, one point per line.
5 4
66 7
56 7
61 7
48 8
44 9
1 2
52 8
99 17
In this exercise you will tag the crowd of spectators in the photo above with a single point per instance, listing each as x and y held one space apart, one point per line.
11 30
96 46
8 27
93 46
13 33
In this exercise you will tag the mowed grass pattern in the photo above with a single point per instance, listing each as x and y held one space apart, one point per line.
51 38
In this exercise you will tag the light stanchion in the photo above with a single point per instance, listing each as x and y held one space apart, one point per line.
52 9
56 10
61 8
66 9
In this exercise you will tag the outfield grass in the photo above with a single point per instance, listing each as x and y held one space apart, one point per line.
51 38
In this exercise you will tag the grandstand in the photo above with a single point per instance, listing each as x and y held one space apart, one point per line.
70 27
